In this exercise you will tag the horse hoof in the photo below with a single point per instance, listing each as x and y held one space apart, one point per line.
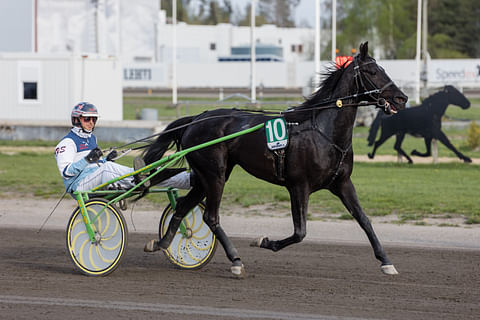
238 271
370 156
389 269
151 246
258 242
467 160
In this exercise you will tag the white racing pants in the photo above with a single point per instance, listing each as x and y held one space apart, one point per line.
111 170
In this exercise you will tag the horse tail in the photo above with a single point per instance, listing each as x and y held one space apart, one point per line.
372 133
167 138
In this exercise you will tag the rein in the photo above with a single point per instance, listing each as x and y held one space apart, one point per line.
328 104
325 104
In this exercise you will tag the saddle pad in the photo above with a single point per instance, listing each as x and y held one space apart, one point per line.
276 133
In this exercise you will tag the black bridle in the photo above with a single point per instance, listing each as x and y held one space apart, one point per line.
358 76
361 90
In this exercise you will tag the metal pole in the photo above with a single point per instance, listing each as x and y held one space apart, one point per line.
253 57
417 58
174 53
317 44
35 27
334 30
425 47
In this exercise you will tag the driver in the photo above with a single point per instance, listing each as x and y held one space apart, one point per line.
80 161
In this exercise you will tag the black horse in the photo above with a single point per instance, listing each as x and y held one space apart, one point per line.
319 154
421 121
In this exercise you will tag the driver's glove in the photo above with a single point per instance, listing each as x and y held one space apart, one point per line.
94 155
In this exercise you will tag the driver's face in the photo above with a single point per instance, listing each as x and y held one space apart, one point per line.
88 123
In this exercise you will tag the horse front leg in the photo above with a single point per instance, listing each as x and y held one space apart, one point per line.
443 139
347 194
299 203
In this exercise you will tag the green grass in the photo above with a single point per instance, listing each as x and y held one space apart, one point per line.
472 113
410 192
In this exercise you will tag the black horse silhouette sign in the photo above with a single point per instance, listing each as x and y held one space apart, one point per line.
421 121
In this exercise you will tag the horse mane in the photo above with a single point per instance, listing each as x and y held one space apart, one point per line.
324 92
330 77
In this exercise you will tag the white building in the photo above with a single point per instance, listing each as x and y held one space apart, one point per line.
46 87
138 35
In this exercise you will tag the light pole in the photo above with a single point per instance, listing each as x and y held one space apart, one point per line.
334 30
174 52
253 57
417 57
317 44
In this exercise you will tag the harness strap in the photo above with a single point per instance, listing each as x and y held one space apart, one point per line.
279 156
342 151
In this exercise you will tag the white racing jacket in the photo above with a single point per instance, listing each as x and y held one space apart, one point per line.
70 154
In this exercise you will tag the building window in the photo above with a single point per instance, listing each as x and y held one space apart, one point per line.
30 91
300 48
293 47
213 46
29 85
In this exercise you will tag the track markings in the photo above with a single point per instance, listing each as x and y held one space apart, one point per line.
165 308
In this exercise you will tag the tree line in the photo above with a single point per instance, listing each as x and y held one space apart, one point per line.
390 25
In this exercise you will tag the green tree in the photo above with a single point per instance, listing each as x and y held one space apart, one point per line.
245 19
218 13
454 28
278 12
388 25
182 9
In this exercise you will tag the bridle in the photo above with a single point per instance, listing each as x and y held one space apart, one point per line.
358 76
361 90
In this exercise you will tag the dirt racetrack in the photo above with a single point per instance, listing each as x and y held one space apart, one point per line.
310 280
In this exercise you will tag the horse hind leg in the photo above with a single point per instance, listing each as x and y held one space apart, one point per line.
378 143
183 207
428 148
214 191
237 268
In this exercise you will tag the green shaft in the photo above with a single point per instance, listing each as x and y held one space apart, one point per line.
173 157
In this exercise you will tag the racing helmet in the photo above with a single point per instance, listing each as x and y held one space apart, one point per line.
83 109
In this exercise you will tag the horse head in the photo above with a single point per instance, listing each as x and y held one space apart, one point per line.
376 85
456 97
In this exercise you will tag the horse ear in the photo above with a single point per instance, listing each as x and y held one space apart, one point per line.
363 50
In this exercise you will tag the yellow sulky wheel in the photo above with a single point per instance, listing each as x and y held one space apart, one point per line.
194 244
103 256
